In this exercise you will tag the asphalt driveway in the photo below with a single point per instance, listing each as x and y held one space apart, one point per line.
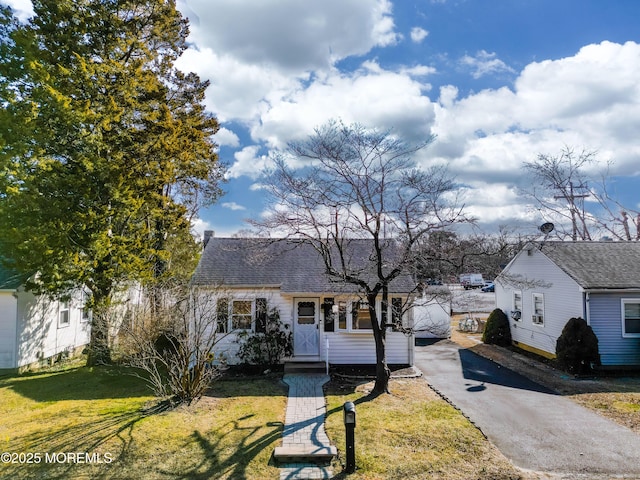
531 425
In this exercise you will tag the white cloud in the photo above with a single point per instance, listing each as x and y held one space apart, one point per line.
418 34
289 35
238 91
248 163
485 63
23 9
371 96
225 137
233 206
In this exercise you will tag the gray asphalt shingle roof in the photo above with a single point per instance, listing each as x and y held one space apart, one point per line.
9 280
598 265
292 265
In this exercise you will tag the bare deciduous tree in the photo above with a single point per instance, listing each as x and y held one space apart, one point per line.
171 344
580 206
348 183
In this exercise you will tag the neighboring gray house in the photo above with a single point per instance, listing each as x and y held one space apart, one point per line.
329 320
545 285
34 328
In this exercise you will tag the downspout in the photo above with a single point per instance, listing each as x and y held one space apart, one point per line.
587 309
17 336
411 338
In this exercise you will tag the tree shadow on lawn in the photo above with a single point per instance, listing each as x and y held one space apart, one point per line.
82 383
214 464
85 436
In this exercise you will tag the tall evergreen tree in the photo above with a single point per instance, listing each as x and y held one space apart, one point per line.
107 151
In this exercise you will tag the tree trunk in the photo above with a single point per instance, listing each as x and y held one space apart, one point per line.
379 334
99 348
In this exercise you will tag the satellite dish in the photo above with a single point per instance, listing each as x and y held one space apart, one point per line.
547 228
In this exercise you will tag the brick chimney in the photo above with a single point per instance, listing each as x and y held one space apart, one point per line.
208 235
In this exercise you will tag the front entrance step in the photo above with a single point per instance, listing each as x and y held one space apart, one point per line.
305 367
304 454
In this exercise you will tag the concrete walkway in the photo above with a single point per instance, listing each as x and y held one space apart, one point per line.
305 452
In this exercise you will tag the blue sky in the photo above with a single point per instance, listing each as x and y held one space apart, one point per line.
498 82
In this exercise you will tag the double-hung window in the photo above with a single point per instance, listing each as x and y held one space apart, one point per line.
538 309
63 314
516 311
360 316
86 311
241 314
631 317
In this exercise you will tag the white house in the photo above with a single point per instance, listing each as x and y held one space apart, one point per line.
34 329
329 319
546 285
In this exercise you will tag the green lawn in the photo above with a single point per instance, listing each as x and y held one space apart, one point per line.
100 412
412 434
98 416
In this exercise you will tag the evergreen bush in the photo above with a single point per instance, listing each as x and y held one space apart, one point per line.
577 347
269 347
497 331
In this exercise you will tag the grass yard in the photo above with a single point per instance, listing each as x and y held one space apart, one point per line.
100 412
412 434
97 416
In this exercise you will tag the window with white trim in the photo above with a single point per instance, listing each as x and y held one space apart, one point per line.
538 309
631 317
360 316
516 310
86 311
241 314
63 314
342 315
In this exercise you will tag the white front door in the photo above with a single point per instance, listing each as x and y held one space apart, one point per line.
305 330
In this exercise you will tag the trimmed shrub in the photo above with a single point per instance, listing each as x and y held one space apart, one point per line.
269 347
577 347
497 331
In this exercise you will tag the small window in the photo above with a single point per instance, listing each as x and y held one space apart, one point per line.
396 311
360 316
222 315
329 315
342 315
630 318
538 309
86 311
63 314
306 313
241 315
261 315
516 311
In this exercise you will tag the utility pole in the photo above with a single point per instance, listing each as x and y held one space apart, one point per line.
571 198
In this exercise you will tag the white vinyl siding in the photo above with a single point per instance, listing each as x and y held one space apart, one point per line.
356 348
563 299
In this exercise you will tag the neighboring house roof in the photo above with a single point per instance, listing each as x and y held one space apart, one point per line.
598 265
291 265
10 280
